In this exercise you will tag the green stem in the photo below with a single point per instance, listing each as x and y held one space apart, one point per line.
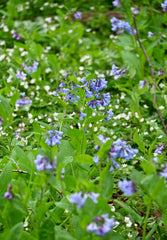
145 221
64 114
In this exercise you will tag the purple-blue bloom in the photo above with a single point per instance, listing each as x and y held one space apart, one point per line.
120 26
23 101
116 3
77 15
101 225
54 137
164 6
96 159
164 174
127 186
150 34
159 149
44 163
17 36
160 73
142 83
81 115
32 68
102 139
1 120
9 195
110 114
80 198
21 75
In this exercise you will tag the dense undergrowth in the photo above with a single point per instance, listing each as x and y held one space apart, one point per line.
83 119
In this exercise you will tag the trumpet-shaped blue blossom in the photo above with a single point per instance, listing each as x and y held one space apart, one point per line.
164 6
110 114
32 68
97 85
164 174
80 198
159 149
120 149
102 139
116 3
120 26
9 195
127 186
21 75
23 101
96 159
142 83
1 120
17 36
101 225
77 15
44 163
82 115
54 137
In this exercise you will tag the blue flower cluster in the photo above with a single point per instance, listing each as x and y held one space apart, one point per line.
92 89
127 186
77 15
101 225
44 163
23 101
142 84
17 36
80 198
21 75
82 115
159 149
54 137
164 6
119 149
9 195
32 68
120 26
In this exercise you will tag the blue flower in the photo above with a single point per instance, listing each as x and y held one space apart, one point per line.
54 137
23 101
164 6
121 26
127 186
44 163
142 84
159 149
32 68
81 115
79 198
96 159
21 75
116 3
101 225
1 121
164 174
77 15
9 195
110 113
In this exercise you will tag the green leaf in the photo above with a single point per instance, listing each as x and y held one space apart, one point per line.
148 167
78 140
62 234
16 231
164 217
139 141
107 184
135 216
84 158
46 231
5 177
160 186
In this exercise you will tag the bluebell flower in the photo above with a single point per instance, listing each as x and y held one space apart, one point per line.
159 149
134 11
102 139
120 26
23 101
110 114
88 94
114 164
80 198
96 159
54 137
164 6
120 149
142 83
72 97
21 75
105 100
9 195
81 115
150 34
1 120
44 163
17 36
77 15
62 173
32 68
164 174
160 73
116 3
127 186
101 225
97 85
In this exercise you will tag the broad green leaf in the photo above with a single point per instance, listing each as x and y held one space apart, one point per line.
46 231
5 177
16 231
148 167
135 216
139 141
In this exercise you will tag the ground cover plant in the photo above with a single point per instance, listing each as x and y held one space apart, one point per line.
83 120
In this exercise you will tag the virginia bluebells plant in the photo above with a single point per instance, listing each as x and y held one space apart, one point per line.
127 186
32 68
17 36
116 72
82 115
1 120
110 114
21 75
77 15
116 3
54 137
142 83
101 225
